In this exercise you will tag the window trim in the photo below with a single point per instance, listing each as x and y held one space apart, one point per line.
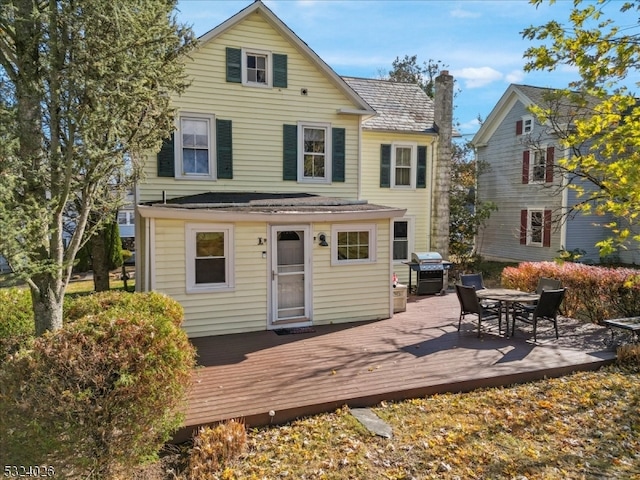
179 170
191 230
530 241
413 164
410 237
372 228
328 152
269 69
527 119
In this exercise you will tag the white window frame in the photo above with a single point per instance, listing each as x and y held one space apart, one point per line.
542 151
210 119
527 124
129 217
371 228
327 152
410 238
413 164
191 230
530 212
269 68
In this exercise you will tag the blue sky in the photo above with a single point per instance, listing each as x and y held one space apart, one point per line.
479 40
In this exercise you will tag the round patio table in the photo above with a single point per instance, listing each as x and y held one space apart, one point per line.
508 297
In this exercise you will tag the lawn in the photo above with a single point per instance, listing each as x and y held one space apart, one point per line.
582 426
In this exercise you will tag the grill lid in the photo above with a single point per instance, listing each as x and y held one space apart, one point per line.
426 257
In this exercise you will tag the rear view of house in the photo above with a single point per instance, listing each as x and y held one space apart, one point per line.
253 214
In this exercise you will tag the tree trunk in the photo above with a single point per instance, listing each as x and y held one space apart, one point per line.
47 303
99 262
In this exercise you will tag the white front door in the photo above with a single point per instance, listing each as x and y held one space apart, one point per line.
290 278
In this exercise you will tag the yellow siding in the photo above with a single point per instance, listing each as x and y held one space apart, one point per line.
343 293
258 115
242 310
416 201
348 293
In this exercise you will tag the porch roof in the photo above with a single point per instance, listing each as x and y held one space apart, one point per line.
258 205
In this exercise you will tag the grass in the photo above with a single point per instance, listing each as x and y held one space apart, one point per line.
582 426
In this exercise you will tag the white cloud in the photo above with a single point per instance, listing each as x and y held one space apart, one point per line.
462 13
476 77
515 76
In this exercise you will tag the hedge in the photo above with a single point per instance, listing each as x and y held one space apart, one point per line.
594 293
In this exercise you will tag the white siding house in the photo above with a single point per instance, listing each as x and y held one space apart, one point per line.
531 222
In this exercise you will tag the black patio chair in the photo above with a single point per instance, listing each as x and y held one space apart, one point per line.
544 283
547 308
472 279
470 304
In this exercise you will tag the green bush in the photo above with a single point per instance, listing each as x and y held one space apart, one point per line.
16 320
117 302
100 395
593 293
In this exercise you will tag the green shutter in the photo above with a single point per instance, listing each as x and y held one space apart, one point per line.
166 158
234 65
337 154
385 166
290 152
421 173
279 70
224 151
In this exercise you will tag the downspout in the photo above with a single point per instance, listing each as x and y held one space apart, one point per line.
564 207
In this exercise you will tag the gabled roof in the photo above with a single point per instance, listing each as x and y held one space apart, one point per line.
362 108
399 106
528 95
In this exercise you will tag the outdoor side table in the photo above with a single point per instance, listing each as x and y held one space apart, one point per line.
630 324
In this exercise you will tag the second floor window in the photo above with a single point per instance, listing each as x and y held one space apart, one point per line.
195 136
539 170
403 162
314 150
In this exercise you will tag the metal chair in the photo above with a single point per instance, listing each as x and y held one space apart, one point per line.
470 304
547 308
472 279
544 283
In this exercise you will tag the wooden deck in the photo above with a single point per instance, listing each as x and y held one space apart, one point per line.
416 353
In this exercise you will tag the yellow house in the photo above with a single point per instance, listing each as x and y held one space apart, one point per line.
254 215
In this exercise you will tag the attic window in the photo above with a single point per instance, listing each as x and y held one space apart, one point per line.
527 124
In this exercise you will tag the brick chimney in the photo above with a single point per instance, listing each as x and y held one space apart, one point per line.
443 119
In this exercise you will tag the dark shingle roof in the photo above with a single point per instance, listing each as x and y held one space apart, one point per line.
399 106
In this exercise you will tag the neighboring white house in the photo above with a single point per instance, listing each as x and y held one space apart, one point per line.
266 208
531 222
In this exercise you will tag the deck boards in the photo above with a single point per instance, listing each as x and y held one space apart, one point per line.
416 353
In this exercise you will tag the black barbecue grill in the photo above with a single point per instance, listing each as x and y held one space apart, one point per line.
431 272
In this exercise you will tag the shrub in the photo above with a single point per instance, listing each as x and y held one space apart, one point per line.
98 396
153 303
16 320
628 355
593 293
214 447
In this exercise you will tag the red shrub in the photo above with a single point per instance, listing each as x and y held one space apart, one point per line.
593 293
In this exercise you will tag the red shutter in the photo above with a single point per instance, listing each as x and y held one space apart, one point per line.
525 166
549 167
523 227
519 127
546 233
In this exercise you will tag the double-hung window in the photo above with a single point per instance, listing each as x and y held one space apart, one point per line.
527 124
539 166
314 148
126 217
196 146
353 244
535 227
209 257
402 239
403 163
